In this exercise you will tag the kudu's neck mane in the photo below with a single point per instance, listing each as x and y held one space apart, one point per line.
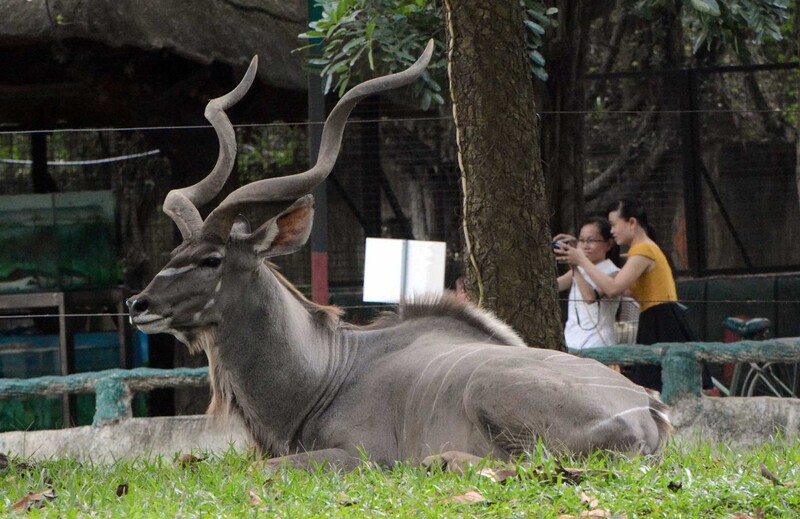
448 305
327 315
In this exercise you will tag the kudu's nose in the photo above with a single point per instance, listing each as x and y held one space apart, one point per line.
136 306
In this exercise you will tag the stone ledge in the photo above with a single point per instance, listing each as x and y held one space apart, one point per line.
737 422
135 437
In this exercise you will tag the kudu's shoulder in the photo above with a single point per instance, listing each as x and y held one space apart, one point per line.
448 308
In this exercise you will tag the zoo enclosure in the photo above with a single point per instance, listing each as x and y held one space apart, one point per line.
717 172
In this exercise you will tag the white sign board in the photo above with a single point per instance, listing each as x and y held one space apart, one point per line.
398 269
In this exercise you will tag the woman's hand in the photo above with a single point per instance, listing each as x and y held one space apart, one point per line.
569 254
564 237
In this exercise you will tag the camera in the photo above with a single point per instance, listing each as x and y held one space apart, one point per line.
556 244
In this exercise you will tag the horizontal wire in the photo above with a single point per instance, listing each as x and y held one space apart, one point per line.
396 119
391 305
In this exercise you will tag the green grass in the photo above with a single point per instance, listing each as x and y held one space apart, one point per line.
696 481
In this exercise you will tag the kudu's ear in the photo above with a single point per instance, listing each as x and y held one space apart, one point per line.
241 225
285 233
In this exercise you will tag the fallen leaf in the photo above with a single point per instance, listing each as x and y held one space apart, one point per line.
675 486
770 476
122 489
188 460
596 513
23 467
499 475
468 498
344 500
589 501
452 461
32 500
254 500
575 475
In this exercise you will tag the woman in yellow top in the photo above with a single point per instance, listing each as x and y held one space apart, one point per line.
648 275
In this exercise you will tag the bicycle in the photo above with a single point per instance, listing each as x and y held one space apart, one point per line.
759 378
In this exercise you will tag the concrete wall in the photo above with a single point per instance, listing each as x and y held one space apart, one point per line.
738 422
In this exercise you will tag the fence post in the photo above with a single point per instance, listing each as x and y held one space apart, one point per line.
680 373
112 401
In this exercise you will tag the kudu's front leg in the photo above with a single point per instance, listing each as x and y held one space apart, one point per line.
338 459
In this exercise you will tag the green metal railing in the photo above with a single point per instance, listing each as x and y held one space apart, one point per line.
113 388
681 363
681 373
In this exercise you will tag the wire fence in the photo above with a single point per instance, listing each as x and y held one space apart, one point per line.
712 154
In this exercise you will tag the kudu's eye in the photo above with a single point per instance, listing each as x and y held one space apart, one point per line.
211 262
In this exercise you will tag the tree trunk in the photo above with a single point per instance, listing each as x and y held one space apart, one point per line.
509 262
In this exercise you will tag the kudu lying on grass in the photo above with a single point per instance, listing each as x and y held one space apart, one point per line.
438 376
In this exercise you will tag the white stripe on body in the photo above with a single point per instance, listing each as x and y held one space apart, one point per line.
410 399
608 420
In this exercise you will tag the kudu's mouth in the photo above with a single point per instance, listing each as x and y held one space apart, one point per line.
147 321
151 323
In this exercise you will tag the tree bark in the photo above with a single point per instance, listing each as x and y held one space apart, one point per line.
509 261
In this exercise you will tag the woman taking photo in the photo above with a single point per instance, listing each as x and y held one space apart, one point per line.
590 316
648 276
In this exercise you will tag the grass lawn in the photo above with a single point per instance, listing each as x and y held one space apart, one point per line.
697 481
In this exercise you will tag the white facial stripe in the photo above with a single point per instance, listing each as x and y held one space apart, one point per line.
209 304
170 271
145 318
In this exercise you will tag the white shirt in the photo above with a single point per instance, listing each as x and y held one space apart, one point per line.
591 325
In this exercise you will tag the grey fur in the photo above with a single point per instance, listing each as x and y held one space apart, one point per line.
438 375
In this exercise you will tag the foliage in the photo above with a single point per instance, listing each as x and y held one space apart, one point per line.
736 24
360 38
365 38
270 151
690 481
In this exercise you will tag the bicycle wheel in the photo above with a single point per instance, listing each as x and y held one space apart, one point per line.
771 379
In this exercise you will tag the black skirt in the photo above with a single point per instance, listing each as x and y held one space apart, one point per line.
665 322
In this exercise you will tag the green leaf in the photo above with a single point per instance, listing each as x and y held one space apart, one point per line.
537 58
709 7
538 15
355 42
535 27
426 100
311 34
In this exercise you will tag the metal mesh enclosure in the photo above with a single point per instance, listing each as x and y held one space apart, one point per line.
713 158
711 153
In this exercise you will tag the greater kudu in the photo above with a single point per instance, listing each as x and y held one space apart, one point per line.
439 375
